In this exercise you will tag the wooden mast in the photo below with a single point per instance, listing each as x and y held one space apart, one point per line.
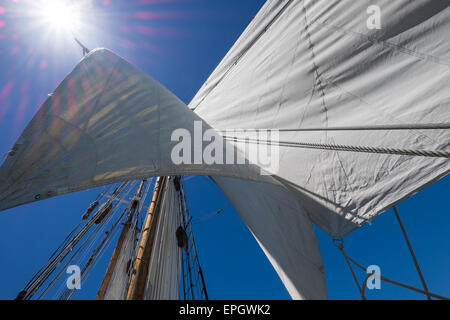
140 270
112 263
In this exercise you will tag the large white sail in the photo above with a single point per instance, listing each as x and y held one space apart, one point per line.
316 64
106 122
283 230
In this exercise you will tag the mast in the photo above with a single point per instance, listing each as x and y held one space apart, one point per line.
126 227
165 246
83 47
140 271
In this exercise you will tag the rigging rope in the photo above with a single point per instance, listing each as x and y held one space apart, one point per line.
93 237
79 254
336 147
42 275
201 290
422 279
422 126
339 243
96 253
208 216
65 240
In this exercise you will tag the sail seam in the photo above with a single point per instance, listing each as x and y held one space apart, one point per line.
393 46
97 101
250 45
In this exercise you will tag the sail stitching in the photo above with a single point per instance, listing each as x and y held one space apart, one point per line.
250 45
396 47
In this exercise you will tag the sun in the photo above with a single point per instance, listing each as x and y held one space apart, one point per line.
59 14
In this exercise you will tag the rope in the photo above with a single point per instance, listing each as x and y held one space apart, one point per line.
50 267
195 267
340 246
86 244
336 147
85 50
383 278
81 221
95 235
339 243
96 253
400 285
412 253
423 126
208 216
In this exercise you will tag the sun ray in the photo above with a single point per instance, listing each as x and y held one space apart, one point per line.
59 15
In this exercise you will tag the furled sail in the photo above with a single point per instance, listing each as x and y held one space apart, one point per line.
316 64
117 288
163 280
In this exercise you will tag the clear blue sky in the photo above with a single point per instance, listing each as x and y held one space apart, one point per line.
179 42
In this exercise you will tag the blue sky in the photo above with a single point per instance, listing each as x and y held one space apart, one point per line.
179 43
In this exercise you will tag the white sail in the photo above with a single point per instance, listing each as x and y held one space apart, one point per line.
316 64
106 122
284 231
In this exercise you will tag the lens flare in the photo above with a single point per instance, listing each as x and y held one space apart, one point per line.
59 15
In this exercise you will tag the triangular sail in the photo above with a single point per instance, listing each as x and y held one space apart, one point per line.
315 64
284 231
106 122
